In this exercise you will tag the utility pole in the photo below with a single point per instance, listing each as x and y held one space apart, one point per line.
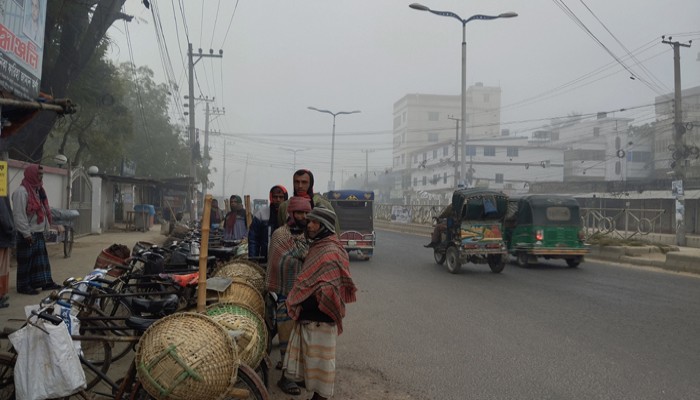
678 140
193 169
456 146
208 114
295 151
367 151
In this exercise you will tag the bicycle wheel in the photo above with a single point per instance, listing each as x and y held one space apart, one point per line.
7 376
116 307
95 355
68 241
248 380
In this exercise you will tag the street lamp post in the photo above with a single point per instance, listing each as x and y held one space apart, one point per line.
331 183
420 7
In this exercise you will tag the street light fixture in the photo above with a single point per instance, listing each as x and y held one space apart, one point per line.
510 14
295 151
331 183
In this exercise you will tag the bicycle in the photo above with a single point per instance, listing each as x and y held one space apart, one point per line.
66 218
248 384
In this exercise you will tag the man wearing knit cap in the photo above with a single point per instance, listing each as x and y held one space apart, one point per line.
317 305
262 226
304 187
287 251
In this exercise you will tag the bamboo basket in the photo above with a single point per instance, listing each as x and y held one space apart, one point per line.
244 270
242 292
252 342
187 356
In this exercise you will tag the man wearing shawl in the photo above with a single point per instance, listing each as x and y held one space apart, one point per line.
317 305
262 226
32 216
288 249
303 181
235 227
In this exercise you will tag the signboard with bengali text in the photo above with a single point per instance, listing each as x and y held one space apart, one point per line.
21 46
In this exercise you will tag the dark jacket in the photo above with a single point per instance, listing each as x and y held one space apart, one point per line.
7 224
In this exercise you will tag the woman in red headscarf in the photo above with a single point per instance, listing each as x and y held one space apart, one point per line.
32 216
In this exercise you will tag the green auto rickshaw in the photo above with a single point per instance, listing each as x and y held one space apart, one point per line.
544 225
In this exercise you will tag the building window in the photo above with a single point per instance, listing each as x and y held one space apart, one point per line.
617 143
596 131
445 151
435 154
470 150
499 178
489 151
415 158
444 177
397 121
618 168
433 116
638 156
425 180
512 151
433 137
425 156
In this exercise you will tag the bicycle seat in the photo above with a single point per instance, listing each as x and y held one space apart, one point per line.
140 324
164 306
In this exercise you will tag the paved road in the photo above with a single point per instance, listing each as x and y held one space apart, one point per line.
601 331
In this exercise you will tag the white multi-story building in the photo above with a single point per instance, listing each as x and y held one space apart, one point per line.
425 120
576 149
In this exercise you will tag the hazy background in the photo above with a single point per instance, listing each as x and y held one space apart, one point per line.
279 57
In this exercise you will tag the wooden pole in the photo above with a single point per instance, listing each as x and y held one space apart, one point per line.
248 211
203 255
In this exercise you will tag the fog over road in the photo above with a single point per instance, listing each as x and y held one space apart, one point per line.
600 331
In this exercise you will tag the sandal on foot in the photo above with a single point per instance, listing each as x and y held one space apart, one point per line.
288 386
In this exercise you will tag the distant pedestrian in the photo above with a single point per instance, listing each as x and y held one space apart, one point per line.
317 305
263 224
32 216
235 226
215 216
7 242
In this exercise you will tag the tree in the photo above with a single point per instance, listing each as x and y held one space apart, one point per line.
75 29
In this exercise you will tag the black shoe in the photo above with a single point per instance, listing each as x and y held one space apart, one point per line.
29 291
51 286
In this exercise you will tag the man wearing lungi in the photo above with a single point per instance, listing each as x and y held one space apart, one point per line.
317 304
288 249
32 214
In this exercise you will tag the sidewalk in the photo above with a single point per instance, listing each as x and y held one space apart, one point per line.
80 263
679 259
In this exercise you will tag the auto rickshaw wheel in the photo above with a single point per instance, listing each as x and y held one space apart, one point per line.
439 256
454 264
573 262
521 259
496 262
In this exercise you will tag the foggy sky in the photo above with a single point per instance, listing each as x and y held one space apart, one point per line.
279 57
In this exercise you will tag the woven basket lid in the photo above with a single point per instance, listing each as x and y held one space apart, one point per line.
245 270
242 292
186 356
252 341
